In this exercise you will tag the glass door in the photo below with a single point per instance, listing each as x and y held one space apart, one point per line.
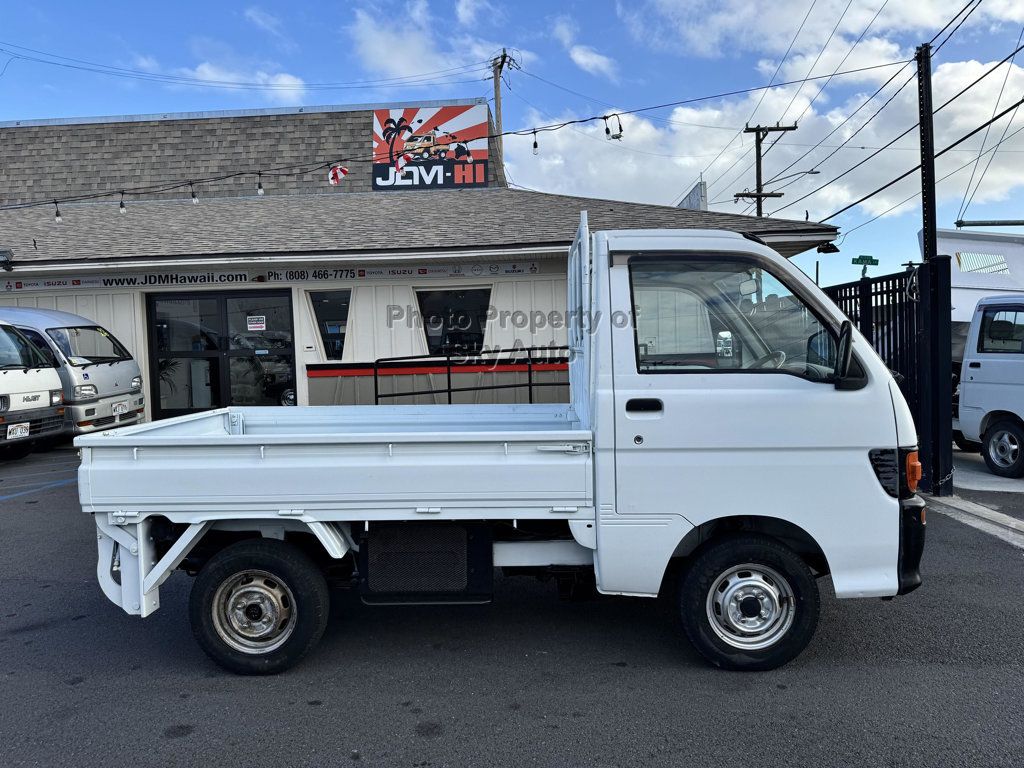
211 350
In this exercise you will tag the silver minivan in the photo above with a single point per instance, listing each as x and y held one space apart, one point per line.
102 382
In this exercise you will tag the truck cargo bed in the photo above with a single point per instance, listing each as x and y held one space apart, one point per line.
346 463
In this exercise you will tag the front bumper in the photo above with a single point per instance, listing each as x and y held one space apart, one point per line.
912 530
99 414
43 422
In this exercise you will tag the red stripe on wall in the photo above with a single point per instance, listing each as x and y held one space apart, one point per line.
321 373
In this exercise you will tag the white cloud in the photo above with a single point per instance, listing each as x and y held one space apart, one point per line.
468 12
586 57
589 60
421 43
270 24
280 87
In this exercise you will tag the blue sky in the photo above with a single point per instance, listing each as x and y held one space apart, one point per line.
577 59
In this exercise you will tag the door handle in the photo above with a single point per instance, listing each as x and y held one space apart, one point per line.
974 365
644 405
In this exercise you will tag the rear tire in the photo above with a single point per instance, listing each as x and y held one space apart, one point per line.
1004 449
259 606
748 603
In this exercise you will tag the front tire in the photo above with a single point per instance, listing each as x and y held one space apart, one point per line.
749 603
259 606
1004 449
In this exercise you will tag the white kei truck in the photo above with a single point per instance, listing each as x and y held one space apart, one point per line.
728 484
31 396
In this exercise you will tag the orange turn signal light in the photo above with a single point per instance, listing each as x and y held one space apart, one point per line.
914 471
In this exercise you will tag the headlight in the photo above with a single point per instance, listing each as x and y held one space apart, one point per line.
137 382
56 396
85 391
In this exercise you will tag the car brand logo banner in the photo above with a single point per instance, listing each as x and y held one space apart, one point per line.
430 148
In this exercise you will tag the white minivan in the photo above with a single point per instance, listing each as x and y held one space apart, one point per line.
990 409
102 383
31 398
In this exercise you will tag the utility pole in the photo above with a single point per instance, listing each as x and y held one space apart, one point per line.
924 107
497 65
760 134
934 346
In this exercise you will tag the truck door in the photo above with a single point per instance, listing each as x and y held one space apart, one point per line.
724 406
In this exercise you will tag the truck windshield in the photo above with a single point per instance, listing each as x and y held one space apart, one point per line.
16 351
88 345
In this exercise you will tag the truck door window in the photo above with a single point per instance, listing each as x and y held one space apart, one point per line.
700 315
1002 331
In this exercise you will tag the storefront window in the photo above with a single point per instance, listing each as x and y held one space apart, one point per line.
331 310
454 321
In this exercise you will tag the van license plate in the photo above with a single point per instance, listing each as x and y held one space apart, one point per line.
119 409
15 431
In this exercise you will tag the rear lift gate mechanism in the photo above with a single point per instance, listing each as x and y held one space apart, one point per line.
409 563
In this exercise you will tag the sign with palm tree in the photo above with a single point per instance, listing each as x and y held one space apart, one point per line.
430 147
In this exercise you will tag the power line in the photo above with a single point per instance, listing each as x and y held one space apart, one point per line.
874 154
963 205
52 59
756 106
991 150
938 154
967 7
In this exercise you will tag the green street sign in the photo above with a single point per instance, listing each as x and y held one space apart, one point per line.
867 261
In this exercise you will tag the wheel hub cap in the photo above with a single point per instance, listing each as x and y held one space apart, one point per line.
750 606
1004 449
254 612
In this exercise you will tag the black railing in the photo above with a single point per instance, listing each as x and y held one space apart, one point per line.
906 317
528 357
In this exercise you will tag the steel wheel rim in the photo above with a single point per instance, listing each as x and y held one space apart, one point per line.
731 606
1004 449
254 612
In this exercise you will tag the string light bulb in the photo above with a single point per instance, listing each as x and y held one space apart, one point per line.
618 134
536 147
195 200
607 130
259 184
120 206
56 213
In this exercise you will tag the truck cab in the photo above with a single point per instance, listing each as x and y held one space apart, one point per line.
31 396
990 408
101 381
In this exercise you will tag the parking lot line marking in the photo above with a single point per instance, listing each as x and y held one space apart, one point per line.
6 485
990 522
46 487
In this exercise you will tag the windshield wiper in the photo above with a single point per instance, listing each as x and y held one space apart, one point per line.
12 367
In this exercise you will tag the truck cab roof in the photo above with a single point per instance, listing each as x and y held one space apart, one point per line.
42 318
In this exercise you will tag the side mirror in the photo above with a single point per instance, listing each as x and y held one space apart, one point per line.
748 287
844 353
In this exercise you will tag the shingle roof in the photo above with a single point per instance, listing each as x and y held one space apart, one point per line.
358 222
46 159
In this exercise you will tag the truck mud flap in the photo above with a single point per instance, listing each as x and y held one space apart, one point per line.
418 563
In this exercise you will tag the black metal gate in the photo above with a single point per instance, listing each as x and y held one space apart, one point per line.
906 316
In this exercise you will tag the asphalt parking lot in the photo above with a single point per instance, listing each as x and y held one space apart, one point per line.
931 679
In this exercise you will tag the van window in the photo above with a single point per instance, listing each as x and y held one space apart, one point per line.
87 345
41 346
1002 331
701 315
16 351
